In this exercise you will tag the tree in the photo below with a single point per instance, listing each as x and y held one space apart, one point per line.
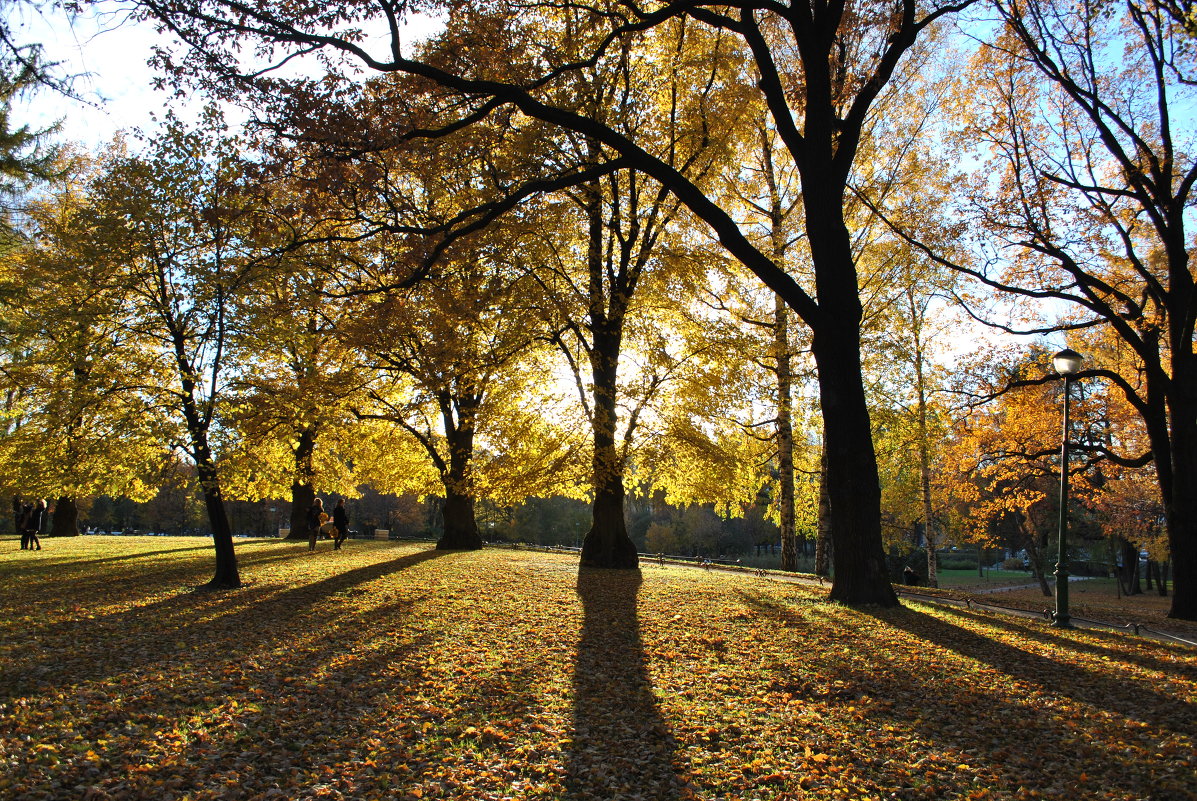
819 68
453 356
1083 110
177 223
75 425
1003 458
297 380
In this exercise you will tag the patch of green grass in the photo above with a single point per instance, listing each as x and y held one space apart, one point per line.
991 578
388 670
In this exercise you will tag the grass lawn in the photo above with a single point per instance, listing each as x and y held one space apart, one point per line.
968 579
390 671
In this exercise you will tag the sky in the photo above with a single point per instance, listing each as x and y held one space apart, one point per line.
108 55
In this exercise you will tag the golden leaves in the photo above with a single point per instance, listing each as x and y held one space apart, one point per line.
388 671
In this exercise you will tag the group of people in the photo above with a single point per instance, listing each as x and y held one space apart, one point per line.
29 519
318 522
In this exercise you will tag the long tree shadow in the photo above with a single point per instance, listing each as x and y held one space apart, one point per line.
1125 696
620 744
1120 646
275 617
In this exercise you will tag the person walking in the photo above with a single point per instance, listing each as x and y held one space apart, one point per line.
315 511
341 522
33 524
20 513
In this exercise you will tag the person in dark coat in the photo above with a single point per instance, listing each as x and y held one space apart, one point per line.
341 521
33 525
20 511
315 511
910 577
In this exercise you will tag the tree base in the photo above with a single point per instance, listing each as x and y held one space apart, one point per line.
616 551
459 543
218 585
881 594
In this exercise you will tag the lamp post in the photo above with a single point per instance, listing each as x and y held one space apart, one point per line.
1067 362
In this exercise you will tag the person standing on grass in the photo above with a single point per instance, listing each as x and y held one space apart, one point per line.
20 513
33 525
314 522
341 522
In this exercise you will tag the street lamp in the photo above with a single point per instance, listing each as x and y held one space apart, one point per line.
1067 362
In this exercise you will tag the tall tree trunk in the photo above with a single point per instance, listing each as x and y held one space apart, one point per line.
461 524
785 436
1128 574
226 575
607 544
303 490
823 536
853 488
929 532
66 518
779 244
1180 511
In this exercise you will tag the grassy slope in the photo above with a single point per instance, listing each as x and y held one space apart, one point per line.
388 671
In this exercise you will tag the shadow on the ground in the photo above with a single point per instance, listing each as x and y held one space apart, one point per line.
621 744
276 617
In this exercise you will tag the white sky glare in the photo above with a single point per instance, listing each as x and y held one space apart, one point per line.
108 52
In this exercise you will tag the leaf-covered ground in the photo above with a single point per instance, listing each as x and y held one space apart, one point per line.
390 671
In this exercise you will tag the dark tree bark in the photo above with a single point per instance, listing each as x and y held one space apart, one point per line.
607 543
66 518
853 490
198 423
303 493
461 524
1128 574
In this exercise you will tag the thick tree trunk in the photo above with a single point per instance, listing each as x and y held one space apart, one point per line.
607 544
461 525
853 488
1181 515
66 518
303 491
302 498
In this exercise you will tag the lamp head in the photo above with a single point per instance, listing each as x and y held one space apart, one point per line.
1067 362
